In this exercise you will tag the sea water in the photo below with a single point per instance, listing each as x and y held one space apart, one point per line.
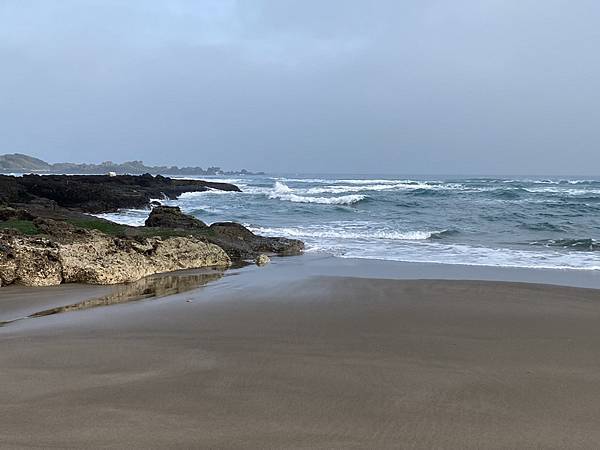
505 221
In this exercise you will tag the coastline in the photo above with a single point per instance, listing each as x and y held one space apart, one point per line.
49 237
20 301
381 268
310 351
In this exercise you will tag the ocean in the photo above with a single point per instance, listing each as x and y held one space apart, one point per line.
531 222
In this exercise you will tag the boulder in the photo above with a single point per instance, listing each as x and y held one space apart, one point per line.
172 217
262 260
8 213
240 243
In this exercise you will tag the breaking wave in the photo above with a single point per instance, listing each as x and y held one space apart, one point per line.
443 234
332 232
588 245
521 222
282 192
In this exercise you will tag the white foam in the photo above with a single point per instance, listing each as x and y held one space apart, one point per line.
550 181
340 233
460 254
344 200
355 181
131 217
380 181
403 238
200 194
564 191
210 178
282 192
338 189
304 180
366 241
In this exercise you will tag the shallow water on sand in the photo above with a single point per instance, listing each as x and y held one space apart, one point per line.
153 286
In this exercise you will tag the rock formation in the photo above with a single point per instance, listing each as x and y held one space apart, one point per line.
99 193
89 256
172 217
262 260
240 243
47 237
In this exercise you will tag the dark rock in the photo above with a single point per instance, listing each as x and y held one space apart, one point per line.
99 193
240 243
8 213
172 217
51 202
12 191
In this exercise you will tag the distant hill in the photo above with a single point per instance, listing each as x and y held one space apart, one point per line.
19 163
22 163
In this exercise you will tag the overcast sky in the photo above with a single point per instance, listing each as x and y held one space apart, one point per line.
414 86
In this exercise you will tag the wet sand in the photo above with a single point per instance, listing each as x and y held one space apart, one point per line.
280 358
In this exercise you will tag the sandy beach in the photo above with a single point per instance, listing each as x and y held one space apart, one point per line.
281 357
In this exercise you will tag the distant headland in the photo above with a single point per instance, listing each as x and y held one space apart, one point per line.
20 163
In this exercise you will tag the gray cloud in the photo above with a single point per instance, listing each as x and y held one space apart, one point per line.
485 86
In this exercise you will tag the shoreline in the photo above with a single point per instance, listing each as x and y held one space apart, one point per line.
18 302
407 270
293 355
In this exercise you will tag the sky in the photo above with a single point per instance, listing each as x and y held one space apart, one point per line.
346 86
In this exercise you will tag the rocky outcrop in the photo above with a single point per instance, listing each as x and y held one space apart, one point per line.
8 213
43 243
29 261
262 260
96 258
240 243
99 193
172 217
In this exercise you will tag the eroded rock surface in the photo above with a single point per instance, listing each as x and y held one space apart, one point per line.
29 261
96 258
262 260
44 244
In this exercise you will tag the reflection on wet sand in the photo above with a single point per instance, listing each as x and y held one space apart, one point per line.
154 286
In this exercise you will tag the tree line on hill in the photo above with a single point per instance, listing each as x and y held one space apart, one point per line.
20 163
